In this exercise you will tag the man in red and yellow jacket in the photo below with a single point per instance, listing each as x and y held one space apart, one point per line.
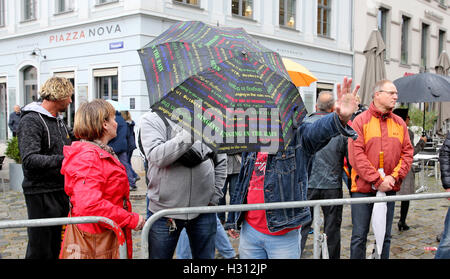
379 130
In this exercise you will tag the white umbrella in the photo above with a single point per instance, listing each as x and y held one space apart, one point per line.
379 222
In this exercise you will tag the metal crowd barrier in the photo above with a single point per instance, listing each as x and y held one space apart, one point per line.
316 204
72 220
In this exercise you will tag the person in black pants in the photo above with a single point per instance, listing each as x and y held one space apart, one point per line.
42 134
325 179
408 185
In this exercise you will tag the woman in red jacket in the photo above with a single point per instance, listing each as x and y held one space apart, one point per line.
95 180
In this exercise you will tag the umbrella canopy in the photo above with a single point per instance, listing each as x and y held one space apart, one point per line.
299 74
443 64
379 223
442 68
423 87
375 69
231 92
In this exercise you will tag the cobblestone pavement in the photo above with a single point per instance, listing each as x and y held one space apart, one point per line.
425 217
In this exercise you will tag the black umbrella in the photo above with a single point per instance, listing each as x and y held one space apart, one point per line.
423 88
233 93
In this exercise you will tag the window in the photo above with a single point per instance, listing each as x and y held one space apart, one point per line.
287 13
28 10
441 42
30 84
106 83
101 2
189 2
63 6
242 8
382 19
382 22
424 46
322 86
404 40
2 13
323 17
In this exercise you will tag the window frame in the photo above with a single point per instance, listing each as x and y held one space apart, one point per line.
106 73
2 13
33 10
404 39
442 39
106 2
70 6
184 2
320 21
384 21
241 10
424 39
292 12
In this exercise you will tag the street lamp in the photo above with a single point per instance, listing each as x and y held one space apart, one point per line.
37 52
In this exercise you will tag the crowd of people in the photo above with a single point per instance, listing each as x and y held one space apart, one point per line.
86 171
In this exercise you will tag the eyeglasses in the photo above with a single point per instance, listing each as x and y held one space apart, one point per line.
389 92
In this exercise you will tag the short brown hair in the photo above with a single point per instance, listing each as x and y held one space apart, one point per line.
89 119
56 89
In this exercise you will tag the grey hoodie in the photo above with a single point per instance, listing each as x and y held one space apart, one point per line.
170 183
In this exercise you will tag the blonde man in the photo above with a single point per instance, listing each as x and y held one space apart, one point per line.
42 135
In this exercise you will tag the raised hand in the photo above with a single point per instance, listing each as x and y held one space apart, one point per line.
347 102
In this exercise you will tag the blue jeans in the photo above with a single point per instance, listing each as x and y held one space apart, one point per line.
230 183
256 245
201 231
361 215
223 244
443 251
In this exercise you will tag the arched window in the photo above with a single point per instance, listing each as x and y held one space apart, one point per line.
30 84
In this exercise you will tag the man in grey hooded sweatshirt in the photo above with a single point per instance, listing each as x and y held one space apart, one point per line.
173 184
42 135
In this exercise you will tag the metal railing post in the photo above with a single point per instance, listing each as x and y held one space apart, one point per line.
72 220
316 228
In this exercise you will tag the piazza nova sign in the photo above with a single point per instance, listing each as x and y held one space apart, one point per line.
84 34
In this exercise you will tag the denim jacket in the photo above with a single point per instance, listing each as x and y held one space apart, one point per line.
286 176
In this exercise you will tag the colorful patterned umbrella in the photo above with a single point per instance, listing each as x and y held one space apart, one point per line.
230 91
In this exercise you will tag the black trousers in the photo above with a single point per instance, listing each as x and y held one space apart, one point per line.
45 242
332 220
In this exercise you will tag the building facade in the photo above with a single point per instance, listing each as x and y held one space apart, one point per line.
94 43
415 33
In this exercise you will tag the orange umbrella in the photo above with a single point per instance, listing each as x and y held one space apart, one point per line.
299 74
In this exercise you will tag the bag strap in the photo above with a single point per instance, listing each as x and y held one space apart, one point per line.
141 147
164 119
166 123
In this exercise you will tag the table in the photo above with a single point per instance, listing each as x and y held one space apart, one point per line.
424 159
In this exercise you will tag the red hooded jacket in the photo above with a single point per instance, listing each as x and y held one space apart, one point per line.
97 185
